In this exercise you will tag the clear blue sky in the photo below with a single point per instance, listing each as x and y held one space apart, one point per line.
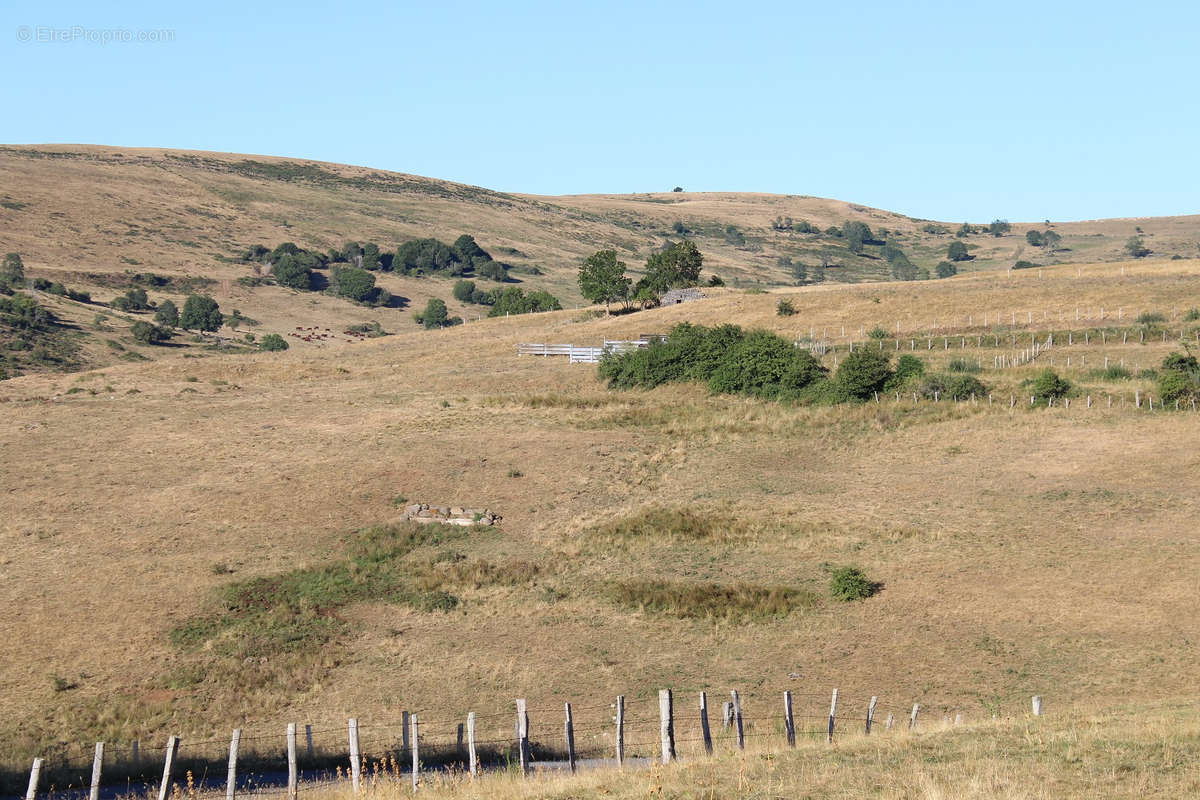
947 110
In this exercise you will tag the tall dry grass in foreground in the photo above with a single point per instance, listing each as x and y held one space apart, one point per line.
1142 752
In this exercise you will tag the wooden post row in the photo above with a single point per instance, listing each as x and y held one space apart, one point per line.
666 725
871 712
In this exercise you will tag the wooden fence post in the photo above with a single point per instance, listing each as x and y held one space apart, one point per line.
34 773
912 721
293 772
789 723
416 753
705 732
231 770
832 714
308 750
666 721
164 788
891 720
355 765
97 767
569 735
523 736
871 712
1037 705
737 719
473 759
620 729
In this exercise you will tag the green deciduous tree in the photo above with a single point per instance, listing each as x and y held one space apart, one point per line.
292 271
354 284
167 314
864 372
273 342
602 278
945 269
201 313
957 251
677 266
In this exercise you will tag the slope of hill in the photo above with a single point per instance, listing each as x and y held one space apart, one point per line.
92 217
180 546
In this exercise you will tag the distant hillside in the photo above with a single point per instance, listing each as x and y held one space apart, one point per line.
92 218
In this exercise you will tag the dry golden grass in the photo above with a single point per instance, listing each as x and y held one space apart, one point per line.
1021 552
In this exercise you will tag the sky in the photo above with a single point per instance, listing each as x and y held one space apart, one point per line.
941 110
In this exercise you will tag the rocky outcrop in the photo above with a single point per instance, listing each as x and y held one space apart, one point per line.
450 515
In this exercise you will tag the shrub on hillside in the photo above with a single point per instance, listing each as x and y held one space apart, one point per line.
850 583
133 300
1179 378
201 313
292 272
877 333
147 333
1192 315
167 314
12 272
951 386
908 369
765 365
514 300
272 342
1049 385
864 372
354 284
1150 318
963 365
785 308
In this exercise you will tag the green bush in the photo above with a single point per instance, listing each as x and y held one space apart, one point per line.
1150 318
765 365
785 308
133 300
850 583
945 269
877 333
864 372
292 272
201 313
952 386
12 272
147 333
1049 385
1192 315
1179 378
908 368
464 291
514 300
1113 372
167 314
354 284
273 342
957 251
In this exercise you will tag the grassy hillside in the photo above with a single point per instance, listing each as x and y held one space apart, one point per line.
184 545
93 218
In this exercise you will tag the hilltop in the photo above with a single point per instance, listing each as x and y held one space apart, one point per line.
96 219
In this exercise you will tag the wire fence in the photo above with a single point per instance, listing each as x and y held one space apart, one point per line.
265 760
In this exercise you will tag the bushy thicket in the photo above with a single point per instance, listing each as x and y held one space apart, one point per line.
1179 379
514 300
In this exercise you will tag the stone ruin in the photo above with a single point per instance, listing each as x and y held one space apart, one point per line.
450 515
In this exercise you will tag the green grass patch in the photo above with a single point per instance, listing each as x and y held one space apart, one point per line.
713 601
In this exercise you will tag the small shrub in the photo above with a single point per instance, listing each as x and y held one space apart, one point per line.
146 333
785 308
951 386
1192 315
864 372
1113 372
515 473
1150 318
273 342
1050 385
436 601
877 332
850 583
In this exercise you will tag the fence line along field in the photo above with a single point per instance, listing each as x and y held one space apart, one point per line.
627 732
197 543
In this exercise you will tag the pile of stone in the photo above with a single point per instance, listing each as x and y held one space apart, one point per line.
450 515
676 296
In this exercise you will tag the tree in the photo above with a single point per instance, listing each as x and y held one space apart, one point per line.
370 256
957 251
422 256
273 342
1136 247
435 314
945 269
167 314
1035 238
856 234
863 372
1051 240
999 227
354 284
602 278
464 291
201 313
12 271
291 271
146 333
677 189
678 265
